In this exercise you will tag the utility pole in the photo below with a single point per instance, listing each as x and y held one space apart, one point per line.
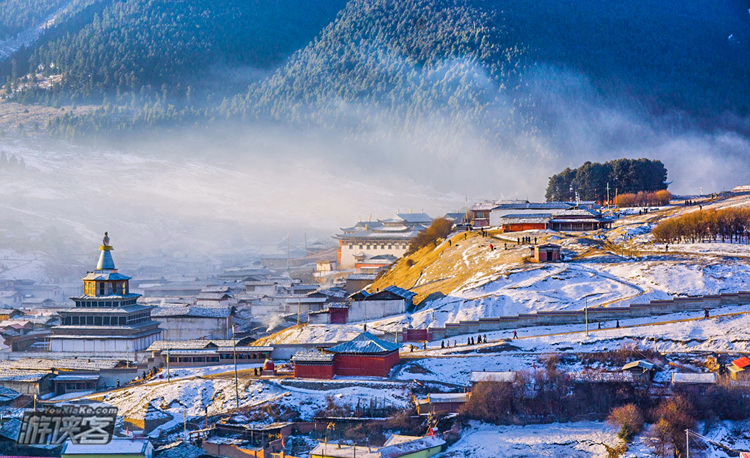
586 313
236 385
127 355
184 423
687 443
607 195
168 379
298 306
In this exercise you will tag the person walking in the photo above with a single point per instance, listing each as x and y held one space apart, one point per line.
705 314
617 324
515 334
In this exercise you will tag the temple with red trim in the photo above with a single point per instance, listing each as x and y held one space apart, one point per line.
363 356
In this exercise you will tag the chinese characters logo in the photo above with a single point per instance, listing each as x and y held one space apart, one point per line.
79 424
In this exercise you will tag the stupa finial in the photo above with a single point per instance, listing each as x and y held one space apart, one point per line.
105 257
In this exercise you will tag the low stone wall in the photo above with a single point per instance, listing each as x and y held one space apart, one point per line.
596 314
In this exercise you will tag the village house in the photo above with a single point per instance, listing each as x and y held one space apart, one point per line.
358 282
441 403
177 289
376 238
642 370
693 383
119 447
9 314
192 353
108 371
12 398
10 298
71 383
397 446
186 322
516 216
477 377
38 382
738 369
366 306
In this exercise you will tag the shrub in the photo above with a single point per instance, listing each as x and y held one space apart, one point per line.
629 419
439 229
671 418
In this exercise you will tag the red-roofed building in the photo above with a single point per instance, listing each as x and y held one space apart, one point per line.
739 368
365 355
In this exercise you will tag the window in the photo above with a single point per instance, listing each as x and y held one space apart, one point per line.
101 289
351 247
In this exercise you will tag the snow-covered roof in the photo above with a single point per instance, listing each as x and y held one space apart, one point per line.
642 364
362 277
192 311
83 364
708 377
75 377
602 377
6 394
245 348
404 293
333 450
161 345
409 447
365 343
213 296
9 375
180 450
117 446
415 217
313 355
492 376
449 397
215 289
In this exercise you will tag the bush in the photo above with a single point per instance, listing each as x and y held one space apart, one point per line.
491 402
439 229
643 199
629 419
671 418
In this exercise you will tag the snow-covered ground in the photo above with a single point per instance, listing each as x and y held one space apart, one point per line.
581 439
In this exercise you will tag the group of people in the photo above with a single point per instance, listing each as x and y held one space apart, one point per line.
469 341
521 240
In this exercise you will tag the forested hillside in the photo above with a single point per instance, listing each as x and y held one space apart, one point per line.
488 63
165 48
19 15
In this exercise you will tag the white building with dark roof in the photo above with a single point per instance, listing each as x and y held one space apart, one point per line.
185 322
369 239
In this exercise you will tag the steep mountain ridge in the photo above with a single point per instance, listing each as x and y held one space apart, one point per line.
485 65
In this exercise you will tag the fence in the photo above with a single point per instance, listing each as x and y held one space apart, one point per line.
597 314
